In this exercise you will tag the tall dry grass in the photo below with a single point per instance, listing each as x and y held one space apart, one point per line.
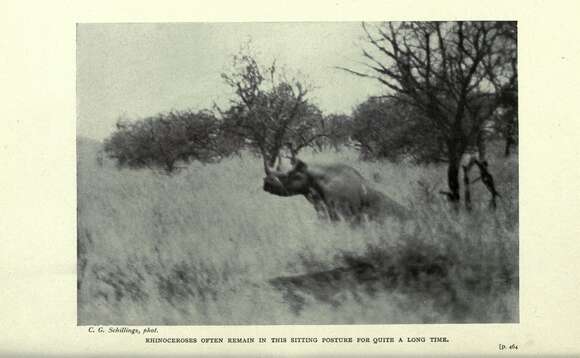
209 246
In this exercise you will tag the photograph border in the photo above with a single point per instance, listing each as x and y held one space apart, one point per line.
39 259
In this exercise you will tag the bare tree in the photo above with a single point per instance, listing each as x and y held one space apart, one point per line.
453 73
270 110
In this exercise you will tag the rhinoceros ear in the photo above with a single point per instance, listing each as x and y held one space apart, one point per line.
300 165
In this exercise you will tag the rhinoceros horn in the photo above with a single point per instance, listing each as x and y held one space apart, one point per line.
267 168
271 173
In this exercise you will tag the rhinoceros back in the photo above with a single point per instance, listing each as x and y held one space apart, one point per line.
344 187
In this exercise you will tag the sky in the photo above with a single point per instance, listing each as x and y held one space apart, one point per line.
138 70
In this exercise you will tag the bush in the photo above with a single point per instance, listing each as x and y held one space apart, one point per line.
164 140
389 129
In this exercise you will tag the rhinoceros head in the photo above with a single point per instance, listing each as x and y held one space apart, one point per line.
287 183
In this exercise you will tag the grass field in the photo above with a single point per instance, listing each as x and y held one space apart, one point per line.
209 246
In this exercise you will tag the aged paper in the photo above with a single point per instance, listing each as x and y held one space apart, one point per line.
38 267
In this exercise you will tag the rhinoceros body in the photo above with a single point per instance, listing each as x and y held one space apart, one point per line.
336 191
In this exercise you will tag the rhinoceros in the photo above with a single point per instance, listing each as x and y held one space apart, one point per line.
336 191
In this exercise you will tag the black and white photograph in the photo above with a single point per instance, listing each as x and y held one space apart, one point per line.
297 173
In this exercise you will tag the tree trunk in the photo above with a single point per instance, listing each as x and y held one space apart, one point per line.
455 148
510 134
488 181
453 180
467 191
271 160
481 149
454 151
